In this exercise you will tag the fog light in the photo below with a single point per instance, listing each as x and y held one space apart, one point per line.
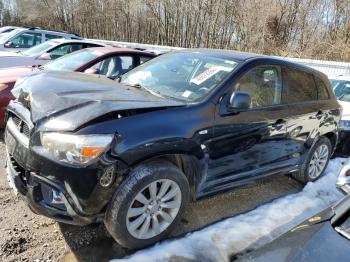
107 177
56 198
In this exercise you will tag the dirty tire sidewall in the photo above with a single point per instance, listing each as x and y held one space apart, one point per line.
141 176
303 175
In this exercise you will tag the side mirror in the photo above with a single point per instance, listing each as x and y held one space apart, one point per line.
239 101
45 56
8 44
94 71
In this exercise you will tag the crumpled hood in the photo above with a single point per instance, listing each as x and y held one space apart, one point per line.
65 100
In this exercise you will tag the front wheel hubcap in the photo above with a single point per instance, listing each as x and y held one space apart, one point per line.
153 209
318 161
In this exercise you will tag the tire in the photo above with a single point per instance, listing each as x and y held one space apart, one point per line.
121 226
304 175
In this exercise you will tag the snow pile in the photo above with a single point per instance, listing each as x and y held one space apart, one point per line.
255 228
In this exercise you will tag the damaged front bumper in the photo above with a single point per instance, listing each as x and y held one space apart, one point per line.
44 197
69 194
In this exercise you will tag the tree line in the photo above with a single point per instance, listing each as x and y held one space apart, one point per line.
318 29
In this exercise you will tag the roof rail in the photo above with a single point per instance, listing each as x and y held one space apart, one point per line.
58 31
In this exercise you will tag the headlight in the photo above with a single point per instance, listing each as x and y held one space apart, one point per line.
344 124
75 149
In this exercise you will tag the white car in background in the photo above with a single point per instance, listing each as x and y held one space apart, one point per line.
341 88
21 38
45 52
7 29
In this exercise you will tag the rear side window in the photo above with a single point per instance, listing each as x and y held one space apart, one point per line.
52 36
323 93
298 86
144 59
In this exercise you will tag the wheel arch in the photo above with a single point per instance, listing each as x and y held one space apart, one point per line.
190 165
333 137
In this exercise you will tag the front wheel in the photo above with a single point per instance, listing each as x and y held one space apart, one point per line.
316 161
148 204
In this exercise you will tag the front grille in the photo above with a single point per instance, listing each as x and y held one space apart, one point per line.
21 125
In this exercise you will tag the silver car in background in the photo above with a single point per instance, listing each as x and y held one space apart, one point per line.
21 38
45 52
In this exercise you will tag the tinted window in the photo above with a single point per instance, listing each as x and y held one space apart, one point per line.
26 40
64 49
341 88
144 59
298 86
91 45
264 85
114 66
52 36
322 90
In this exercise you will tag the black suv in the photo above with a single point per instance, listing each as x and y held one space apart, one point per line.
184 126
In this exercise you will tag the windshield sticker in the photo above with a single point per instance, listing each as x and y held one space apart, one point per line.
186 93
205 75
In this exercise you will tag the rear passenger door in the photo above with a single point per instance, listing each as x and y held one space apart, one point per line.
305 111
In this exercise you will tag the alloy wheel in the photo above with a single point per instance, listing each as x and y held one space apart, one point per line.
318 161
153 209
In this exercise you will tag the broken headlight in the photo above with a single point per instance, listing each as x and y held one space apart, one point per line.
75 149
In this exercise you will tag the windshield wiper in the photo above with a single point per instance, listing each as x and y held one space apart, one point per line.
139 86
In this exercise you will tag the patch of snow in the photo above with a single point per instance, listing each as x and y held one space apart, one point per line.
250 230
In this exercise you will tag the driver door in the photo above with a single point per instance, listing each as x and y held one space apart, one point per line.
252 142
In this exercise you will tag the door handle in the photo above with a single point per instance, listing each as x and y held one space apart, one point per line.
279 124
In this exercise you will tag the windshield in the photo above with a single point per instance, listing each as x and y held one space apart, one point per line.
184 76
73 61
39 49
341 89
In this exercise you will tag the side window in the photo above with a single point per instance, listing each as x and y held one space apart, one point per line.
52 36
64 49
91 45
298 86
263 83
323 93
114 66
26 40
144 59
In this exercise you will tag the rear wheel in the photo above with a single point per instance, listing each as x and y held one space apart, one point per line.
148 204
316 162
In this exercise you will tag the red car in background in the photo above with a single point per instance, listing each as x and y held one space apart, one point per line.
108 61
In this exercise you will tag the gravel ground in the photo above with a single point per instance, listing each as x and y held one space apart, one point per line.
25 236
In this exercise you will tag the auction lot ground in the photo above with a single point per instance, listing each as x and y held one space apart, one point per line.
25 236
